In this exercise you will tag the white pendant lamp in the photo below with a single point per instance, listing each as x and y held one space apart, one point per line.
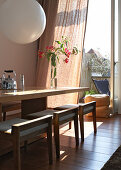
22 21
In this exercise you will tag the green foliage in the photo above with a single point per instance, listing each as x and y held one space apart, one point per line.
48 56
58 42
90 92
58 59
55 72
75 50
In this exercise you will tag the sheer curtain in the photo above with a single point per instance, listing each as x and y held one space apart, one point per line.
70 21
43 71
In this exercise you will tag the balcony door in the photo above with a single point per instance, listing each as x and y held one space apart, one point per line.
101 43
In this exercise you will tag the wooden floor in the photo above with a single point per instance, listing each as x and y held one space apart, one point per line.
92 154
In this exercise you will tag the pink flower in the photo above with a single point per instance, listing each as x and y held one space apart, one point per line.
66 50
68 53
47 47
66 60
40 54
50 48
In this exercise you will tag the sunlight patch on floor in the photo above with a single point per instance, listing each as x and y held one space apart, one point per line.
64 157
88 129
62 152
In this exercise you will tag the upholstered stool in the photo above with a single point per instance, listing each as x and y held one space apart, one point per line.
84 108
18 130
59 118
10 106
68 106
102 104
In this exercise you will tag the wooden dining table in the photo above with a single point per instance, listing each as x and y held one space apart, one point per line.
34 99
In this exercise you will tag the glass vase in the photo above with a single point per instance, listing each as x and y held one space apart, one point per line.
53 77
53 71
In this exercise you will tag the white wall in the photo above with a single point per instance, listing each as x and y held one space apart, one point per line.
21 58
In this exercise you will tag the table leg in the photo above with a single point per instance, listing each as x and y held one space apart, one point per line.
33 105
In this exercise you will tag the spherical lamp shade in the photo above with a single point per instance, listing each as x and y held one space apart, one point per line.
22 21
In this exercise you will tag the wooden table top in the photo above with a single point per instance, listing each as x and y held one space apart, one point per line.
31 93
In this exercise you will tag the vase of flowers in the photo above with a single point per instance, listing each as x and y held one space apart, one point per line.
53 52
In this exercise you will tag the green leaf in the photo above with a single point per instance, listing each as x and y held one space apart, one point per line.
58 58
55 72
53 60
58 42
66 42
90 92
62 45
62 51
57 49
51 72
75 50
48 56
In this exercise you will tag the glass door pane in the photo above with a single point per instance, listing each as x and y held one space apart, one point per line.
97 58
116 59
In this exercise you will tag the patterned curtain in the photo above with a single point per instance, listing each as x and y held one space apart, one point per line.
70 21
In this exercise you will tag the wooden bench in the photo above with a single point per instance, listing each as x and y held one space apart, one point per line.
18 130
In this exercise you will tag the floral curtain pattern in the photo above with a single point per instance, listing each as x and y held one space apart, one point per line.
70 21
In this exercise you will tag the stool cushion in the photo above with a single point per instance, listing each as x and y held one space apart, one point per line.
7 125
67 117
67 106
101 99
87 109
40 114
48 112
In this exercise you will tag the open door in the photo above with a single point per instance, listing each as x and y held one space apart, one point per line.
114 56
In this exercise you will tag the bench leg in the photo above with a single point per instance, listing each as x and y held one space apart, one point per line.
4 116
76 129
16 150
25 145
49 140
81 119
94 120
70 125
57 140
